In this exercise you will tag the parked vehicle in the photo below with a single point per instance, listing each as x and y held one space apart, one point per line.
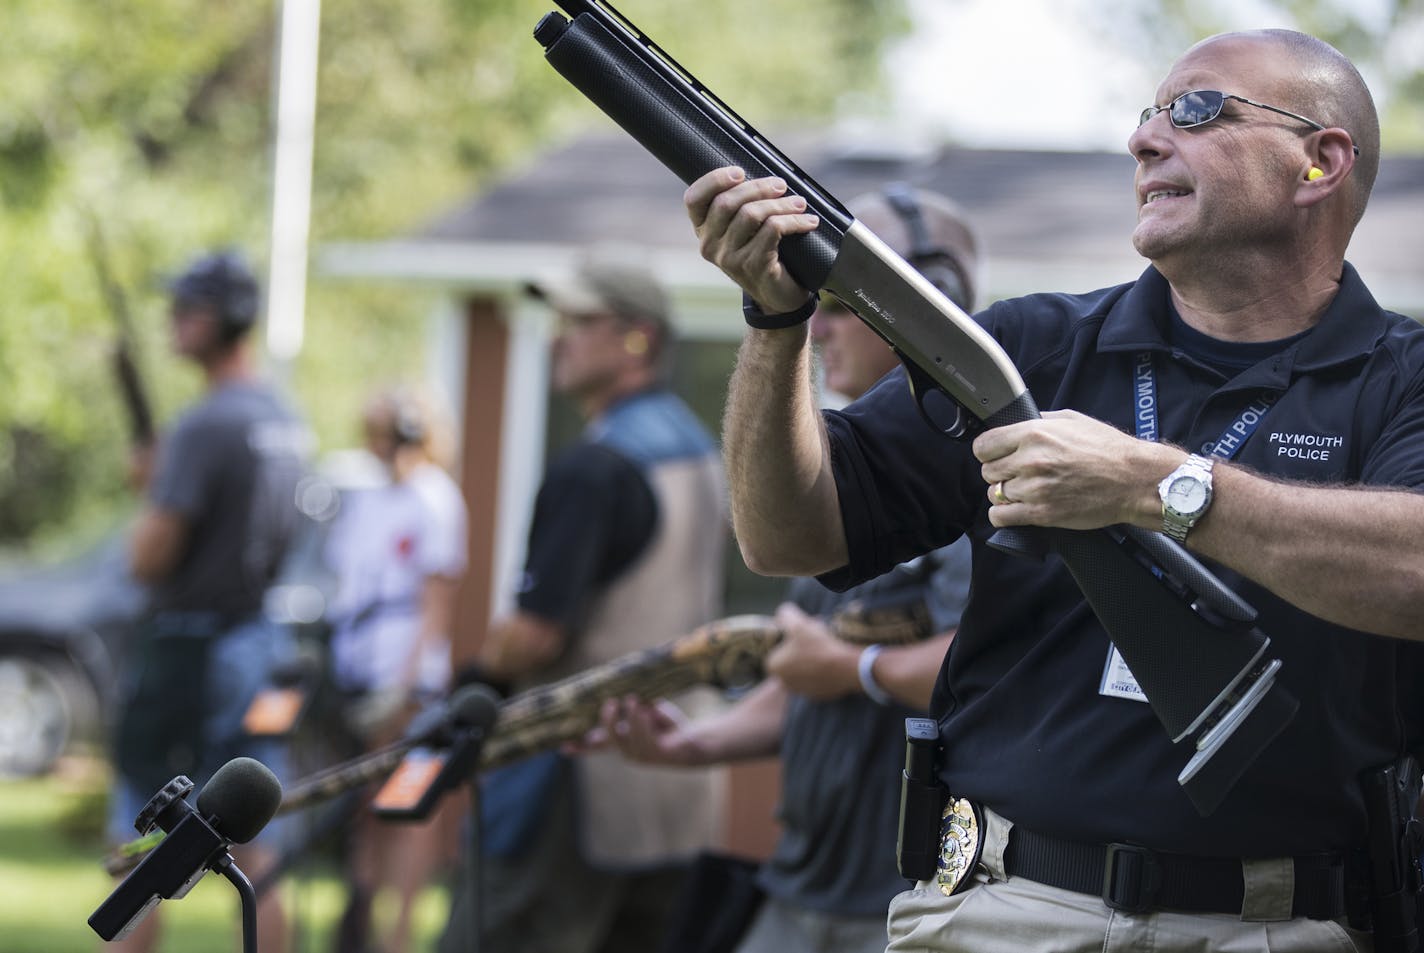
64 629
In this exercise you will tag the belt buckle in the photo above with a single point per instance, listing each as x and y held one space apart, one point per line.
961 841
1132 878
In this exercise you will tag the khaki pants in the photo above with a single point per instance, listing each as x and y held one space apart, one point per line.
999 914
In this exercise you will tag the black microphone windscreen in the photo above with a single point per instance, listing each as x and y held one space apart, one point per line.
474 706
240 798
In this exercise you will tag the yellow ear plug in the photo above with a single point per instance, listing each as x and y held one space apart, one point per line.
1315 173
635 342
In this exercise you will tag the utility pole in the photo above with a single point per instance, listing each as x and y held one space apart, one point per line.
298 39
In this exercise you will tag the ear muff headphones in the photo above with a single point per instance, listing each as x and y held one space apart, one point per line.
223 282
929 257
407 421
238 305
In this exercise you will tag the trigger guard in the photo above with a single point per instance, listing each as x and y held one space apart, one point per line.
965 425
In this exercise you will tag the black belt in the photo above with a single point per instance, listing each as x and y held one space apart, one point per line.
1135 879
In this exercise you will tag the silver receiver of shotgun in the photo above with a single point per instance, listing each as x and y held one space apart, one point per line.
940 340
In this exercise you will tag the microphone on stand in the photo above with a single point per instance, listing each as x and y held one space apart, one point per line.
277 709
447 756
232 808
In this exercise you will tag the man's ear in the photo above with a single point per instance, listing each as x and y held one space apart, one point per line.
1328 165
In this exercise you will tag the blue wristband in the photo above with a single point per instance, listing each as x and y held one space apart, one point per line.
759 319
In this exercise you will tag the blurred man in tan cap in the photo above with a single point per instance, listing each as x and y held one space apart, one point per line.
624 552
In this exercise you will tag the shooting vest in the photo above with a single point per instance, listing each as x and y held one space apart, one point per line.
633 815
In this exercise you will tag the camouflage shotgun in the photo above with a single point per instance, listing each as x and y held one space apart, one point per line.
727 653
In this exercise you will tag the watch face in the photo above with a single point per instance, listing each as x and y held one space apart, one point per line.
1186 494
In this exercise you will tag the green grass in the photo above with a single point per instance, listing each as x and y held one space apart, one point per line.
51 881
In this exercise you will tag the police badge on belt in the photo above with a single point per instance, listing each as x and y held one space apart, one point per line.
941 836
961 841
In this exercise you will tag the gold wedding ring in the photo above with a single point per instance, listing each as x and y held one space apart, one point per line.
998 493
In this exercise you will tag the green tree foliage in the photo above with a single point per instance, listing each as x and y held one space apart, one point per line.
1384 39
153 119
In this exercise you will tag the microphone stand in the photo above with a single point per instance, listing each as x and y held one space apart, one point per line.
237 802
413 791
476 866
248 895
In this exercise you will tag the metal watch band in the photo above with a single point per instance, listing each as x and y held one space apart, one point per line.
1175 525
1175 529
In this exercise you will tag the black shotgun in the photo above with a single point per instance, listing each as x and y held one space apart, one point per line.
137 406
1190 641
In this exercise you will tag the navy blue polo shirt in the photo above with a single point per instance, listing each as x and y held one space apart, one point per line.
1026 729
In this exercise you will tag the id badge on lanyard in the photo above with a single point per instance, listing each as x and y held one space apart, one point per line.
1118 680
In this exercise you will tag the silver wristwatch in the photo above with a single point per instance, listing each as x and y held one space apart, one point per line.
1186 495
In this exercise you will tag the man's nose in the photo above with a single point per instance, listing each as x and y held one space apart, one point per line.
1152 139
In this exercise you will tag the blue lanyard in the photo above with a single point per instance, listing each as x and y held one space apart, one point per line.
1144 412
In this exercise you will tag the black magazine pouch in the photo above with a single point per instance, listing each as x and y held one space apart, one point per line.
162 713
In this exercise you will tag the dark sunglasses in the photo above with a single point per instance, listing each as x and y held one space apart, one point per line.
1201 106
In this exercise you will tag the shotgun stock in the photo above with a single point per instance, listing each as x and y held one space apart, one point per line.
1189 640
